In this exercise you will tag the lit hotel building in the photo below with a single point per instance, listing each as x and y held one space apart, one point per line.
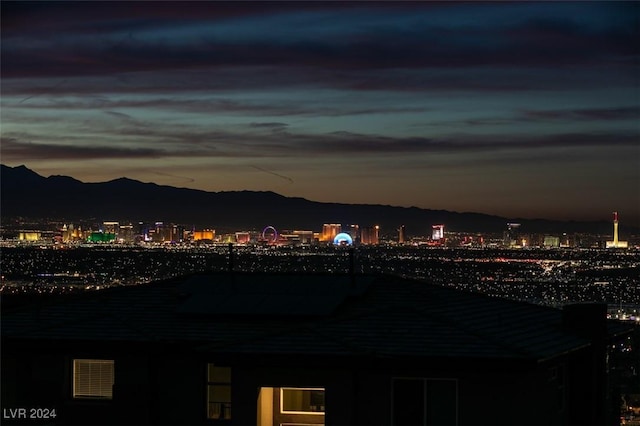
511 237
125 234
166 233
206 234
70 233
551 241
306 237
330 230
437 232
354 231
370 235
29 235
243 237
111 228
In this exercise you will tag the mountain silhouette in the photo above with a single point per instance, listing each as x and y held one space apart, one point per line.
27 194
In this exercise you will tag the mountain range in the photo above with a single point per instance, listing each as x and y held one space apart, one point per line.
24 193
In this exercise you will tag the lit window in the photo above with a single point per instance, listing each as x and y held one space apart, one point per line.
218 392
302 400
93 378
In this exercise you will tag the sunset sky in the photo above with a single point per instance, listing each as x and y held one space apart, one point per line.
515 109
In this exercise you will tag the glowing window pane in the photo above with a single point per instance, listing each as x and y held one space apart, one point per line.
302 400
93 378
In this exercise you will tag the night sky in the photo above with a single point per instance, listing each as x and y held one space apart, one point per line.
515 109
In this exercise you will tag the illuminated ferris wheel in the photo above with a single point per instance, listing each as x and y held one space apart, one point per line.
270 235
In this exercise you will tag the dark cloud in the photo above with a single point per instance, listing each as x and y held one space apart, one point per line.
285 144
586 114
43 91
105 16
345 142
272 126
209 106
119 115
12 149
360 41
547 116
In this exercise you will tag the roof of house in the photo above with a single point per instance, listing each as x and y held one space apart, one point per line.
313 314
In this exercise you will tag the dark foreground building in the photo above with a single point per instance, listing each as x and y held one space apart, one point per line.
302 349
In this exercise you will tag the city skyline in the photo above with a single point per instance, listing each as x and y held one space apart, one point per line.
514 109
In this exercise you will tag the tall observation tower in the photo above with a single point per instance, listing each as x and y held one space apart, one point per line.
616 243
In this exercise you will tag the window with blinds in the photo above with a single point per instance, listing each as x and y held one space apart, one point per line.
93 378
218 392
